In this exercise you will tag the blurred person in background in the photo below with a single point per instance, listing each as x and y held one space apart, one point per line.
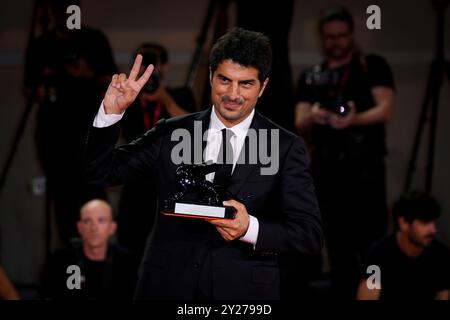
106 268
59 65
343 106
413 264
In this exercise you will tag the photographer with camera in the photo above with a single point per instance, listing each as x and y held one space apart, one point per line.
156 101
343 105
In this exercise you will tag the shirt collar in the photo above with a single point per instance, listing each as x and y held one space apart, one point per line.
240 129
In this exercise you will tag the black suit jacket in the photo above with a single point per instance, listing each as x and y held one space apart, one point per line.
184 255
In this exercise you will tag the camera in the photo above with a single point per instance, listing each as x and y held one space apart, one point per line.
325 83
150 56
336 106
71 52
152 84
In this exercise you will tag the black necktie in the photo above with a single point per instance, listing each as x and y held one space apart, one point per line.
225 158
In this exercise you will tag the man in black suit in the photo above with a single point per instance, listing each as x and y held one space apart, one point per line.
276 209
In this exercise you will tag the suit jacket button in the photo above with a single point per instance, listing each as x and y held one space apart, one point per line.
196 265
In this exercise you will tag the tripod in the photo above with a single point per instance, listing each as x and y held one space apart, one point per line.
43 23
28 107
439 68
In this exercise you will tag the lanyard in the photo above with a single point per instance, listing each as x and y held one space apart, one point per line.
342 83
149 122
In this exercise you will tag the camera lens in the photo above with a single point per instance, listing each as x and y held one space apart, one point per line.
152 84
342 109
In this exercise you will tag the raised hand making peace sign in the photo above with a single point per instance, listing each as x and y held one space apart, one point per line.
122 90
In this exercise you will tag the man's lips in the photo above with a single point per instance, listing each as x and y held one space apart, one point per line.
232 105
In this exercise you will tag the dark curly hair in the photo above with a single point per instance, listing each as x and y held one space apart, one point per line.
338 13
247 48
416 205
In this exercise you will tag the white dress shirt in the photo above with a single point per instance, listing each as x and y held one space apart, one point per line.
214 140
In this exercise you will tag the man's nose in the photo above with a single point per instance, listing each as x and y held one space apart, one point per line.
234 91
94 226
432 228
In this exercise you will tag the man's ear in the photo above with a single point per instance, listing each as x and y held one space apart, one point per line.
79 227
210 77
263 87
113 228
403 225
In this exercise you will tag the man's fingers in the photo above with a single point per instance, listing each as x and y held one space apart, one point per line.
120 82
221 222
114 80
122 77
134 85
224 233
144 78
136 67
351 104
337 123
122 85
232 203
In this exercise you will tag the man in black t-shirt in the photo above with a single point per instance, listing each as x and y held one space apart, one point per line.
347 144
93 268
412 264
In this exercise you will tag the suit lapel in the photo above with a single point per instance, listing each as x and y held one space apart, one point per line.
243 169
202 118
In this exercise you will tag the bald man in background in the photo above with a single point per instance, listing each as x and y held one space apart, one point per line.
105 268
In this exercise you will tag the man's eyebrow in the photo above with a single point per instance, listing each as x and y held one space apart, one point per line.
223 77
249 81
246 81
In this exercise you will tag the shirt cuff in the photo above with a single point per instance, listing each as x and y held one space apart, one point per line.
103 120
251 236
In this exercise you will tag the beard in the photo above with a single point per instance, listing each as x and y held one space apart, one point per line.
421 241
338 52
231 114
237 101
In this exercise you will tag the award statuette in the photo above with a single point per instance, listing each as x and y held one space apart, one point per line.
198 198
